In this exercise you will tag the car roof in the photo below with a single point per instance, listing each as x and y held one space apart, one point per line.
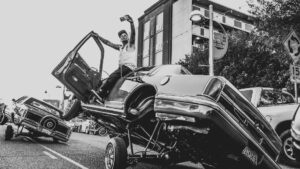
29 97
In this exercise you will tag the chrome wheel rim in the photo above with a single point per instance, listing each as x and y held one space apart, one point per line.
109 156
102 131
288 148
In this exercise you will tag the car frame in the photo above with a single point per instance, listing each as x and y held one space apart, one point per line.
37 116
173 114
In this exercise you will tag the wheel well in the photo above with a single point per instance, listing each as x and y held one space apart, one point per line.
283 126
139 94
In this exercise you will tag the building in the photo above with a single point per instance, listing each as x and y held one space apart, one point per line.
166 34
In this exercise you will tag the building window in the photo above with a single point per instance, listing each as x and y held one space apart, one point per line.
159 42
159 22
224 19
237 24
202 31
146 52
159 39
158 58
248 27
146 30
206 13
199 44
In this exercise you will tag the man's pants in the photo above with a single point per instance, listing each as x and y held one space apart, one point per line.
112 80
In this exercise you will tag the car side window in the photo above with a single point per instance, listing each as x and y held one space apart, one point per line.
267 98
287 99
270 97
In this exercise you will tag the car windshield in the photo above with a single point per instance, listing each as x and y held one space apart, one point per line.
43 106
247 94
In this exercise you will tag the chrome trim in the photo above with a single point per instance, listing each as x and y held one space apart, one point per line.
224 114
252 122
237 125
103 110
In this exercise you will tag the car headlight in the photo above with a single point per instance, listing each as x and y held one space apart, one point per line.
176 110
168 116
176 106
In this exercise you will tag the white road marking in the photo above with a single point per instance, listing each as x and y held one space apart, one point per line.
60 155
50 155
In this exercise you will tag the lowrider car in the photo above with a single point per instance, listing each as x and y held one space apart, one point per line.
174 115
38 117
278 107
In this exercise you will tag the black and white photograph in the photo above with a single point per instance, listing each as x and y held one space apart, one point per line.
150 84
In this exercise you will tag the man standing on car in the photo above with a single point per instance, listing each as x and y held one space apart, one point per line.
127 57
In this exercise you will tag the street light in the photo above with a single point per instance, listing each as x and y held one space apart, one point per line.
196 16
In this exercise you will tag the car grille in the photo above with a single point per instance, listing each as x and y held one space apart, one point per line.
62 129
33 117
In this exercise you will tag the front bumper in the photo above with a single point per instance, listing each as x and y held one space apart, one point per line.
30 124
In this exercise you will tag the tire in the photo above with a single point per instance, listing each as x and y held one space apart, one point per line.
102 131
116 154
3 119
9 132
73 112
287 155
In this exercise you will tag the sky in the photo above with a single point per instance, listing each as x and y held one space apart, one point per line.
35 35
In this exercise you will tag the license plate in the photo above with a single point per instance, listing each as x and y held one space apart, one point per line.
251 155
46 131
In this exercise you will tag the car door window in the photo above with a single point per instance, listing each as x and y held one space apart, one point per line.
267 98
287 98
248 94
90 53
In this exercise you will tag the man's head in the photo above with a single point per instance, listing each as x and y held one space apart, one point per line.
123 35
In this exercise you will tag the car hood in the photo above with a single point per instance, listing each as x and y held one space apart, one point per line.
180 85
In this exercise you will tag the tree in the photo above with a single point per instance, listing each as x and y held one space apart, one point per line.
258 58
250 61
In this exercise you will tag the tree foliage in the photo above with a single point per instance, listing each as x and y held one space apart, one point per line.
258 58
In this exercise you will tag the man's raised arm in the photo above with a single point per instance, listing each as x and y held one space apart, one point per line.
132 32
108 43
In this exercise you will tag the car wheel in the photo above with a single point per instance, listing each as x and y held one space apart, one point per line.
287 155
9 132
116 154
73 111
102 131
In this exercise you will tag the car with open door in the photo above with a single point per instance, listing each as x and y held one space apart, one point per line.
174 115
33 118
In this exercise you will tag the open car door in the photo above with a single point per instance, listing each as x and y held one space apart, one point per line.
76 74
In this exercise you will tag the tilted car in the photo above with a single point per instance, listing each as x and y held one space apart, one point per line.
38 117
174 115
279 108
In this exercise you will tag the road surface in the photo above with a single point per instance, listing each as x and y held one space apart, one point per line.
81 151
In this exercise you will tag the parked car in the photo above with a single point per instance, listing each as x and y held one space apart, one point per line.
38 117
295 132
179 116
278 107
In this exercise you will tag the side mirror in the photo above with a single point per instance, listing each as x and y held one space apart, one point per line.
14 100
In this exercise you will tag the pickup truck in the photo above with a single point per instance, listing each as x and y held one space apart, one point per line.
278 107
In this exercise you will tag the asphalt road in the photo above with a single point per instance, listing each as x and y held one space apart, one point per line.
81 151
